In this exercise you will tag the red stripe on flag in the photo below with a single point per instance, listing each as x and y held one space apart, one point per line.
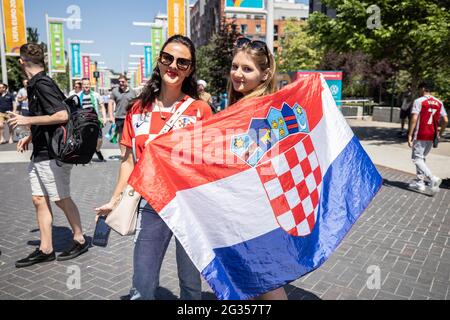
158 176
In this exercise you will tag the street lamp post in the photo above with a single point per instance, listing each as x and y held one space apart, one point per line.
3 50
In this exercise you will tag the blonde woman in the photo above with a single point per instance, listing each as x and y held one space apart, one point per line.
253 75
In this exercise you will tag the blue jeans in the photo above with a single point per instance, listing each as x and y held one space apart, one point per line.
151 242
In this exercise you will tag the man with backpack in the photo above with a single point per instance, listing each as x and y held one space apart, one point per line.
50 181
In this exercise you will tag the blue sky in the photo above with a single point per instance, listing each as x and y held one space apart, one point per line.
107 22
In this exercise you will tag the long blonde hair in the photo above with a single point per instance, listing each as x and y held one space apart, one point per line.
259 57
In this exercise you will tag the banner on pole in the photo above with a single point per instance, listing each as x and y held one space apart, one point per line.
91 75
176 17
142 70
139 74
57 47
86 67
14 25
76 60
157 42
333 79
148 62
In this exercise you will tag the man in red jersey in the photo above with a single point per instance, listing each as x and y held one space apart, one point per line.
426 112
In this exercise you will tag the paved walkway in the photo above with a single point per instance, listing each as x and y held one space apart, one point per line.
403 237
385 147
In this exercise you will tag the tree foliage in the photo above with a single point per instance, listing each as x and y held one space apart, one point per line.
214 59
363 75
299 50
413 35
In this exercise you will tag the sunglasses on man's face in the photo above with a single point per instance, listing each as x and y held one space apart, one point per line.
167 59
253 44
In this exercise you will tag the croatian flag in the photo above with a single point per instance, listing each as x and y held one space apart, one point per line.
263 192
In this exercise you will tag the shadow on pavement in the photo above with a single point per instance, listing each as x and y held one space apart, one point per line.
404 186
165 294
445 184
296 293
386 135
61 237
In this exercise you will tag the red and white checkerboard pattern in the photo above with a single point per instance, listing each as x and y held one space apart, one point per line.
293 182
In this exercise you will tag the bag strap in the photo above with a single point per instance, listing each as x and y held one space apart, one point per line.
169 124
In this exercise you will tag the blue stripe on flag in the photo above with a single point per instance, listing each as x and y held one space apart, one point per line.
272 260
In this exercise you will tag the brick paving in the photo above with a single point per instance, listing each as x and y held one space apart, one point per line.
406 235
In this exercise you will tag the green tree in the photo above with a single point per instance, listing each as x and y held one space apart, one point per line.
32 35
412 35
205 64
299 50
215 58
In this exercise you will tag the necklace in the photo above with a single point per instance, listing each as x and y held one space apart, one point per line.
172 109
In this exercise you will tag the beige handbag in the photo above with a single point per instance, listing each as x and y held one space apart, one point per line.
123 218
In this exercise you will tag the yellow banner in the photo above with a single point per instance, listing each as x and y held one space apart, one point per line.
14 25
91 76
175 9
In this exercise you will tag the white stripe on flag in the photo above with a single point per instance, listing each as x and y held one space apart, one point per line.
241 213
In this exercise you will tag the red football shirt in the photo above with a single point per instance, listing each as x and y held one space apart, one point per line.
140 126
429 110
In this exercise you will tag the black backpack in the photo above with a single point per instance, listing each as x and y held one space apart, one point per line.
76 141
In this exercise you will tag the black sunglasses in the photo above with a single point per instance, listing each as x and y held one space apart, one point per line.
167 59
254 44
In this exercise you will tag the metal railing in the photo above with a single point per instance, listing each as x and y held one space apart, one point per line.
366 104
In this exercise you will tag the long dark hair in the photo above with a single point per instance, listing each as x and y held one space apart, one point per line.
153 86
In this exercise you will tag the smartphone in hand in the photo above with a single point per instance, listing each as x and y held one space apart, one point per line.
101 233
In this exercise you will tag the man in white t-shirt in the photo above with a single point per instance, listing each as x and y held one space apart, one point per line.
22 99
77 88
91 99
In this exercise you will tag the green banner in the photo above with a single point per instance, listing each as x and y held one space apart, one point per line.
58 61
157 42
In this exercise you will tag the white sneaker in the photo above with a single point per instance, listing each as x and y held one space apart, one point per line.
417 185
435 183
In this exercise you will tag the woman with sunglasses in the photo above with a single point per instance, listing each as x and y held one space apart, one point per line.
253 75
172 83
